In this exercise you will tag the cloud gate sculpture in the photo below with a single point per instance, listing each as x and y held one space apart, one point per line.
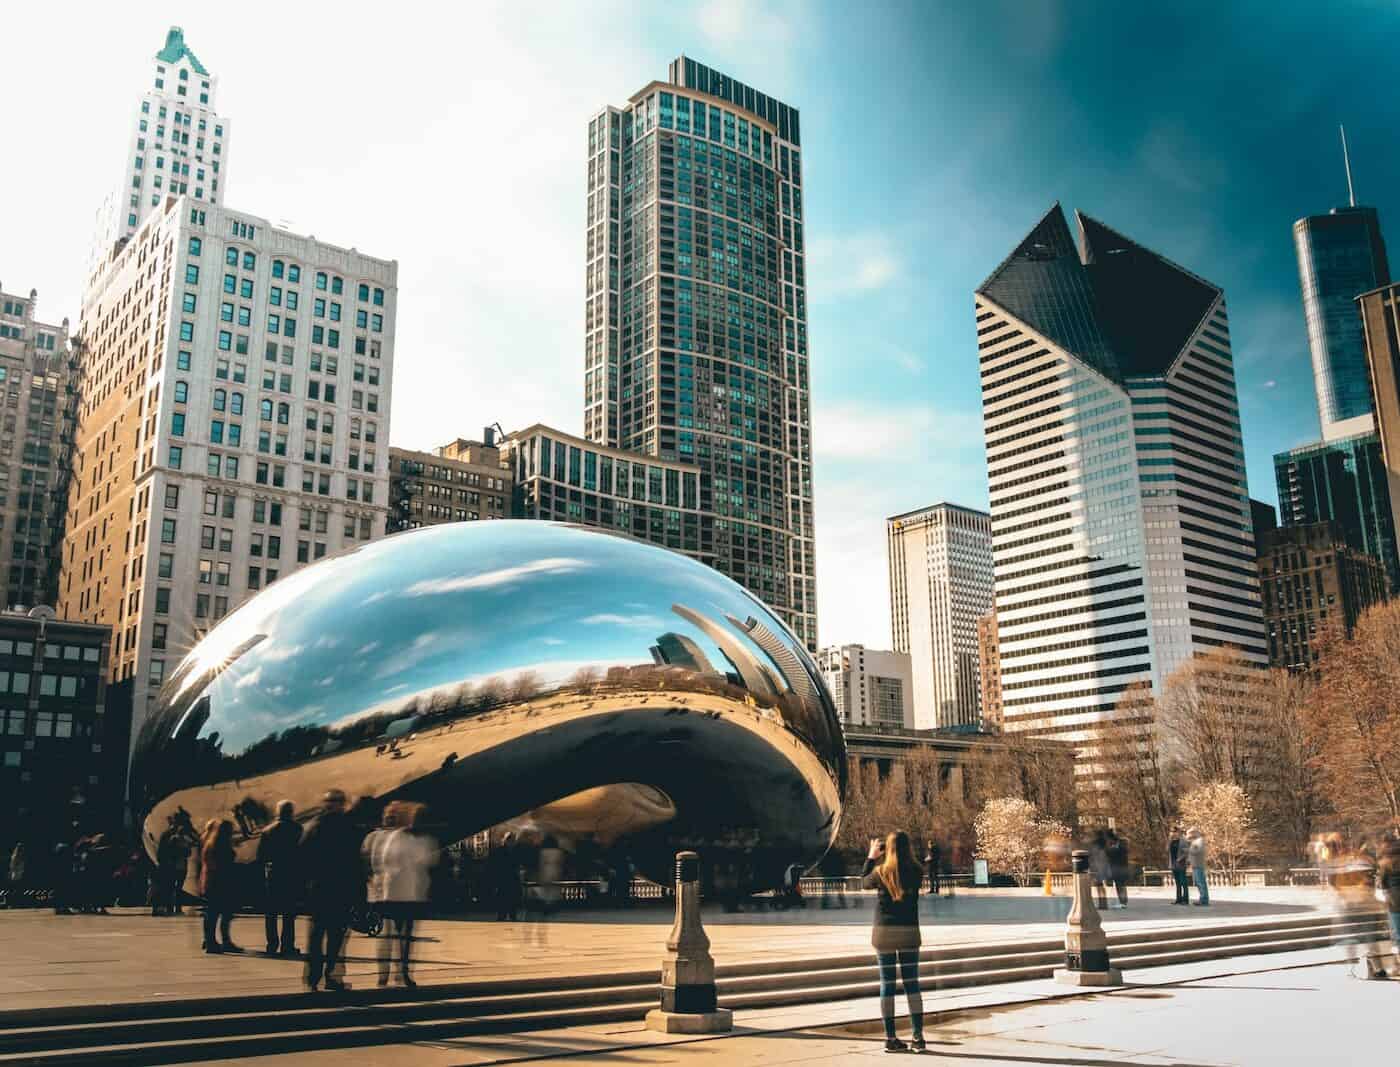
591 684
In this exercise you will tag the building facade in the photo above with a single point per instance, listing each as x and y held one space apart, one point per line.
234 426
568 479
39 385
1310 577
178 146
989 671
695 347
1340 256
1380 319
62 751
869 686
1121 524
1342 481
940 561
460 482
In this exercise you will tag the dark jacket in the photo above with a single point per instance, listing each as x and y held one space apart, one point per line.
1117 853
1176 853
1388 877
330 855
896 921
277 852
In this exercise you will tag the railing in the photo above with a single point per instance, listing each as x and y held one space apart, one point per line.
1216 878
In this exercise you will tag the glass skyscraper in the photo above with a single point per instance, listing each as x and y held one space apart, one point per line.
1340 256
695 343
1341 481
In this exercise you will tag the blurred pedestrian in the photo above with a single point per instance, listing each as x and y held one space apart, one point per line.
1388 883
1099 872
503 876
278 847
15 888
1354 876
218 879
1196 857
401 857
330 856
1176 860
1117 855
172 864
890 869
549 872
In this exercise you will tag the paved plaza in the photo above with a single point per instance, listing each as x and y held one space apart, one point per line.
129 955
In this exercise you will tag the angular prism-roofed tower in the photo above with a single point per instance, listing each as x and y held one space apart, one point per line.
1122 537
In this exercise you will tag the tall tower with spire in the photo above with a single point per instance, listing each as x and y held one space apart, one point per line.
1340 256
178 146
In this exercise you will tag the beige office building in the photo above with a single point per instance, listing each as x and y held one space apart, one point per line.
940 561
870 687
233 428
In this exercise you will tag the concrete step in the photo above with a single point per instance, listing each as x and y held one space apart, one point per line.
174 1032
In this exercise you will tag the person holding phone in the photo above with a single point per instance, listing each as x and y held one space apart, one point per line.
891 870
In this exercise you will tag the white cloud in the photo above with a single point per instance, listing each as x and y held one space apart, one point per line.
855 263
645 622
867 432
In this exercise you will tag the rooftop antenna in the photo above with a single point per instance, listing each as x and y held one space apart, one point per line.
1346 160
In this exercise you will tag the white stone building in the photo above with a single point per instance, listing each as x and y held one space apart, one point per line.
940 561
870 687
178 146
234 426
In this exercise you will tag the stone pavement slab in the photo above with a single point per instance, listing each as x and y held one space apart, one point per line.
87 959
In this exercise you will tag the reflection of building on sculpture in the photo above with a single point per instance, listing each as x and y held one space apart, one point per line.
698 724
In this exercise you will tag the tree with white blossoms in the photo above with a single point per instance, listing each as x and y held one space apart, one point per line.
1223 813
1012 836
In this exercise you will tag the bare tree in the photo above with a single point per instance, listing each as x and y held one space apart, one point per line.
1014 836
1352 715
1221 811
1210 717
1135 776
1289 799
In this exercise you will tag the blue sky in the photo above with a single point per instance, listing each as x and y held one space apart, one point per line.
935 134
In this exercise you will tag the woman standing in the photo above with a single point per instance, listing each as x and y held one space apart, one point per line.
890 869
217 884
401 856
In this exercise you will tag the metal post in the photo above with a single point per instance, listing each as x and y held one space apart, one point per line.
688 970
1086 947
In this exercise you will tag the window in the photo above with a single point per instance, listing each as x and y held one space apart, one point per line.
225 340
216 431
186 331
172 496
191 274
220 399
245 288
274 296
182 392
206 568
363 292
254 577
187 303
182 360
177 424
293 273
379 297
177 454
167 531
321 280
231 256
303 551
249 261
230 283
221 368
278 268
230 466
201 606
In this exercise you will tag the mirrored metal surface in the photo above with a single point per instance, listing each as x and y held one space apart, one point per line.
497 670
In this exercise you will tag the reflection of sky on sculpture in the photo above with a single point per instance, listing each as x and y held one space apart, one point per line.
365 631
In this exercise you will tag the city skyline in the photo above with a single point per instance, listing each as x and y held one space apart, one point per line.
1177 181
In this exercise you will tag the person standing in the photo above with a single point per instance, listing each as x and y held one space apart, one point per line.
1176 857
330 855
1117 855
503 874
400 857
1099 871
1388 882
217 885
890 869
17 873
1196 856
278 846
932 860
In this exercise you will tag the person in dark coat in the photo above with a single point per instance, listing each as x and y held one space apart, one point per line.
277 855
890 870
218 885
1117 854
933 860
1176 857
503 875
330 856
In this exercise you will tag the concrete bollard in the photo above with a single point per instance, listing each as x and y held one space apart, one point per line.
1086 947
688 971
